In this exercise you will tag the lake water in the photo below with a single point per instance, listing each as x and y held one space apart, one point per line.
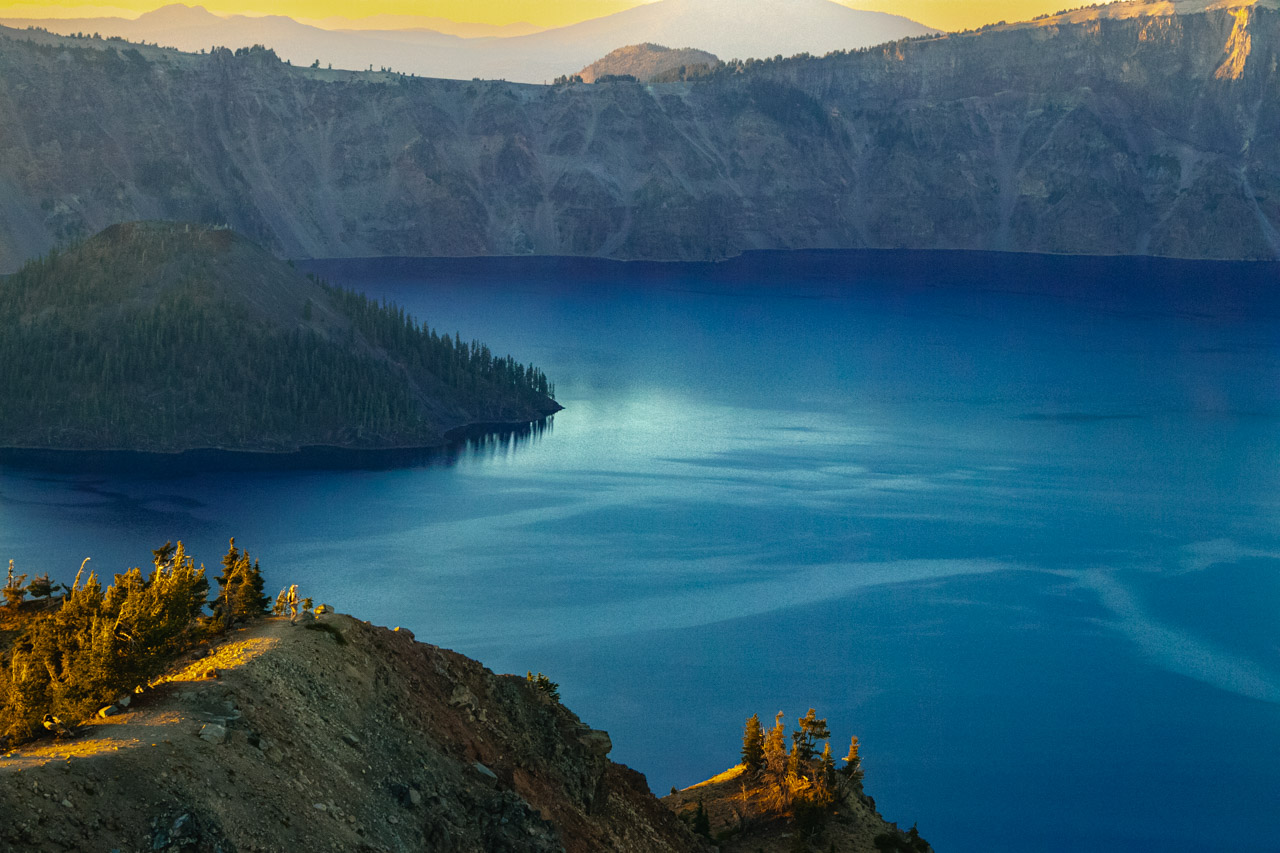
1014 521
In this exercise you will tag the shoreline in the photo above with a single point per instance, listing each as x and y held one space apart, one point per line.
454 442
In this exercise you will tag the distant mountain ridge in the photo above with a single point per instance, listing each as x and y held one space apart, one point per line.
445 26
1148 134
728 28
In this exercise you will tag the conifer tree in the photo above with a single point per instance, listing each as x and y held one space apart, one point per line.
260 599
775 751
40 586
701 821
753 745
164 554
229 561
244 594
797 762
14 591
853 763
826 774
807 736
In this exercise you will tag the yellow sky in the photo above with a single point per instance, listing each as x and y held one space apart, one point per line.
943 14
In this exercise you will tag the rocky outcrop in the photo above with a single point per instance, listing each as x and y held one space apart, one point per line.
746 813
648 61
346 737
1145 134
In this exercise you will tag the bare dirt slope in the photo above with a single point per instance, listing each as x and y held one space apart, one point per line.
345 737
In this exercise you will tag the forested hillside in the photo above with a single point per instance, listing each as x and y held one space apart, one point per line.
1153 134
166 337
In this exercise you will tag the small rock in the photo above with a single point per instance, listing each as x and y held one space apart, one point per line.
124 700
213 733
462 696
392 819
66 803
485 772
415 797
349 739
320 807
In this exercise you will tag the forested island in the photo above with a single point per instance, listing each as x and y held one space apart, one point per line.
165 337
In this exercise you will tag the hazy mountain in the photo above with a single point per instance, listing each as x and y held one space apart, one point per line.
1157 134
732 29
728 28
646 61
423 22
194 29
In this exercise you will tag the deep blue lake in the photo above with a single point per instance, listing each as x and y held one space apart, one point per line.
1014 521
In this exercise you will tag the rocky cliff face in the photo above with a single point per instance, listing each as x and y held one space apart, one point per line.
1146 134
348 738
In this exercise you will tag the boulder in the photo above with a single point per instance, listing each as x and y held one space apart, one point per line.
597 742
213 733
464 697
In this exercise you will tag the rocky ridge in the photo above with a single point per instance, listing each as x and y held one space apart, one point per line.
1154 133
334 736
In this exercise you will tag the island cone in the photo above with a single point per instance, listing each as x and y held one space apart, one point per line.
167 337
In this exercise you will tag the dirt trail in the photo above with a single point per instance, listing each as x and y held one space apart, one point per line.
152 716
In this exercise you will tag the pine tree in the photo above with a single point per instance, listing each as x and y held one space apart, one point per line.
753 745
40 586
229 561
701 821
260 598
164 554
807 736
775 750
14 591
827 774
244 595
798 760
853 763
